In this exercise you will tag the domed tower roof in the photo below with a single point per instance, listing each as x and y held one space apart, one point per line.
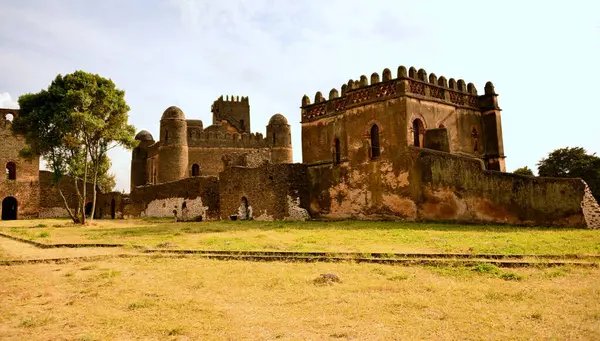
144 135
173 113
278 119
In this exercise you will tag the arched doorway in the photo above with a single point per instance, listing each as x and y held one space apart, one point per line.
338 151
195 170
9 208
375 152
418 130
88 209
112 208
11 171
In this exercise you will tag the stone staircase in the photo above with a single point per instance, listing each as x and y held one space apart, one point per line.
590 208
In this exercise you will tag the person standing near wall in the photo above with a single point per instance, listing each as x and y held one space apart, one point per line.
184 210
175 213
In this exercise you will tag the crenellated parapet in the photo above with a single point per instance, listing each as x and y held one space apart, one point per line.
408 82
227 140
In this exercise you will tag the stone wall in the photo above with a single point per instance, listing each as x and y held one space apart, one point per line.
201 194
25 185
52 204
275 191
591 209
422 184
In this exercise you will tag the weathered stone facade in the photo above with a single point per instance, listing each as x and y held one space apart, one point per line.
413 147
275 191
419 147
187 149
26 191
19 187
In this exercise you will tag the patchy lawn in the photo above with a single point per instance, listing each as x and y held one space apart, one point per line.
342 236
198 299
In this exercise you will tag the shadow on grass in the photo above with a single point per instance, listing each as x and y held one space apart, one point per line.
166 227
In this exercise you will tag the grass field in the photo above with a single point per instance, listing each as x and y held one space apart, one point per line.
196 299
354 236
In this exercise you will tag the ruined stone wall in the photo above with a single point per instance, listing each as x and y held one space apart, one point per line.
210 160
111 205
275 191
51 204
591 209
422 184
201 193
25 187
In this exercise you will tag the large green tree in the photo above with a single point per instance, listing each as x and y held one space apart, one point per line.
573 162
72 125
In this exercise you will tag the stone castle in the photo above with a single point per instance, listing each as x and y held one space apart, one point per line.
187 149
412 146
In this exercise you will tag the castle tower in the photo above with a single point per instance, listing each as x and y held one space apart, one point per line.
279 138
234 110
173 150
492 128
139 156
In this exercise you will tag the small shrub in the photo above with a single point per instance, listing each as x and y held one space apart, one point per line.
511 276
536 316
486 268
138 305
44 234
40 225
397 278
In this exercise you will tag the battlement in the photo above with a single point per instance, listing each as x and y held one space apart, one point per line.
220 139
411 82
234 99
234 110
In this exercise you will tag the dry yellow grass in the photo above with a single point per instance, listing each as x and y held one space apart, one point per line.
197 299
354 236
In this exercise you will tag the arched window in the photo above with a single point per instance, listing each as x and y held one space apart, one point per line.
375 152
274 138
195 170
475 137
418 132
9 117
166 135
338 151
11 171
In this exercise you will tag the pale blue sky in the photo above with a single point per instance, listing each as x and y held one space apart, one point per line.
542 56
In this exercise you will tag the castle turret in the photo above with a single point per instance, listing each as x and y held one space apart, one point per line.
234 110
173 150
279 138
492 128
139 157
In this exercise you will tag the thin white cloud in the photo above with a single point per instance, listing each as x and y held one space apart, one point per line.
7 102
188 52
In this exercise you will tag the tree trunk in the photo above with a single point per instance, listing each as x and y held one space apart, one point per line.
73 217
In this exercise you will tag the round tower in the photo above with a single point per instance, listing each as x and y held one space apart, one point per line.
139 156
279 138
173 150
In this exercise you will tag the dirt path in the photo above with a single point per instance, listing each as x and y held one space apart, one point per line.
12 249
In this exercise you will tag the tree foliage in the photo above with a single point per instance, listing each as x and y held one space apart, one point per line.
573 162
72 125
524 171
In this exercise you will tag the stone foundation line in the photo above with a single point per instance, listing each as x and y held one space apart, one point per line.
451 259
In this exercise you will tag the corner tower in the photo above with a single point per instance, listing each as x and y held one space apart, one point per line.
173 150
236 111
139 156
279 138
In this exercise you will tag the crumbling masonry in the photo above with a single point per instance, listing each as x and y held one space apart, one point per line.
412 146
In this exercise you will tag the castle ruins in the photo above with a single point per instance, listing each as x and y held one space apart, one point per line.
410 147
